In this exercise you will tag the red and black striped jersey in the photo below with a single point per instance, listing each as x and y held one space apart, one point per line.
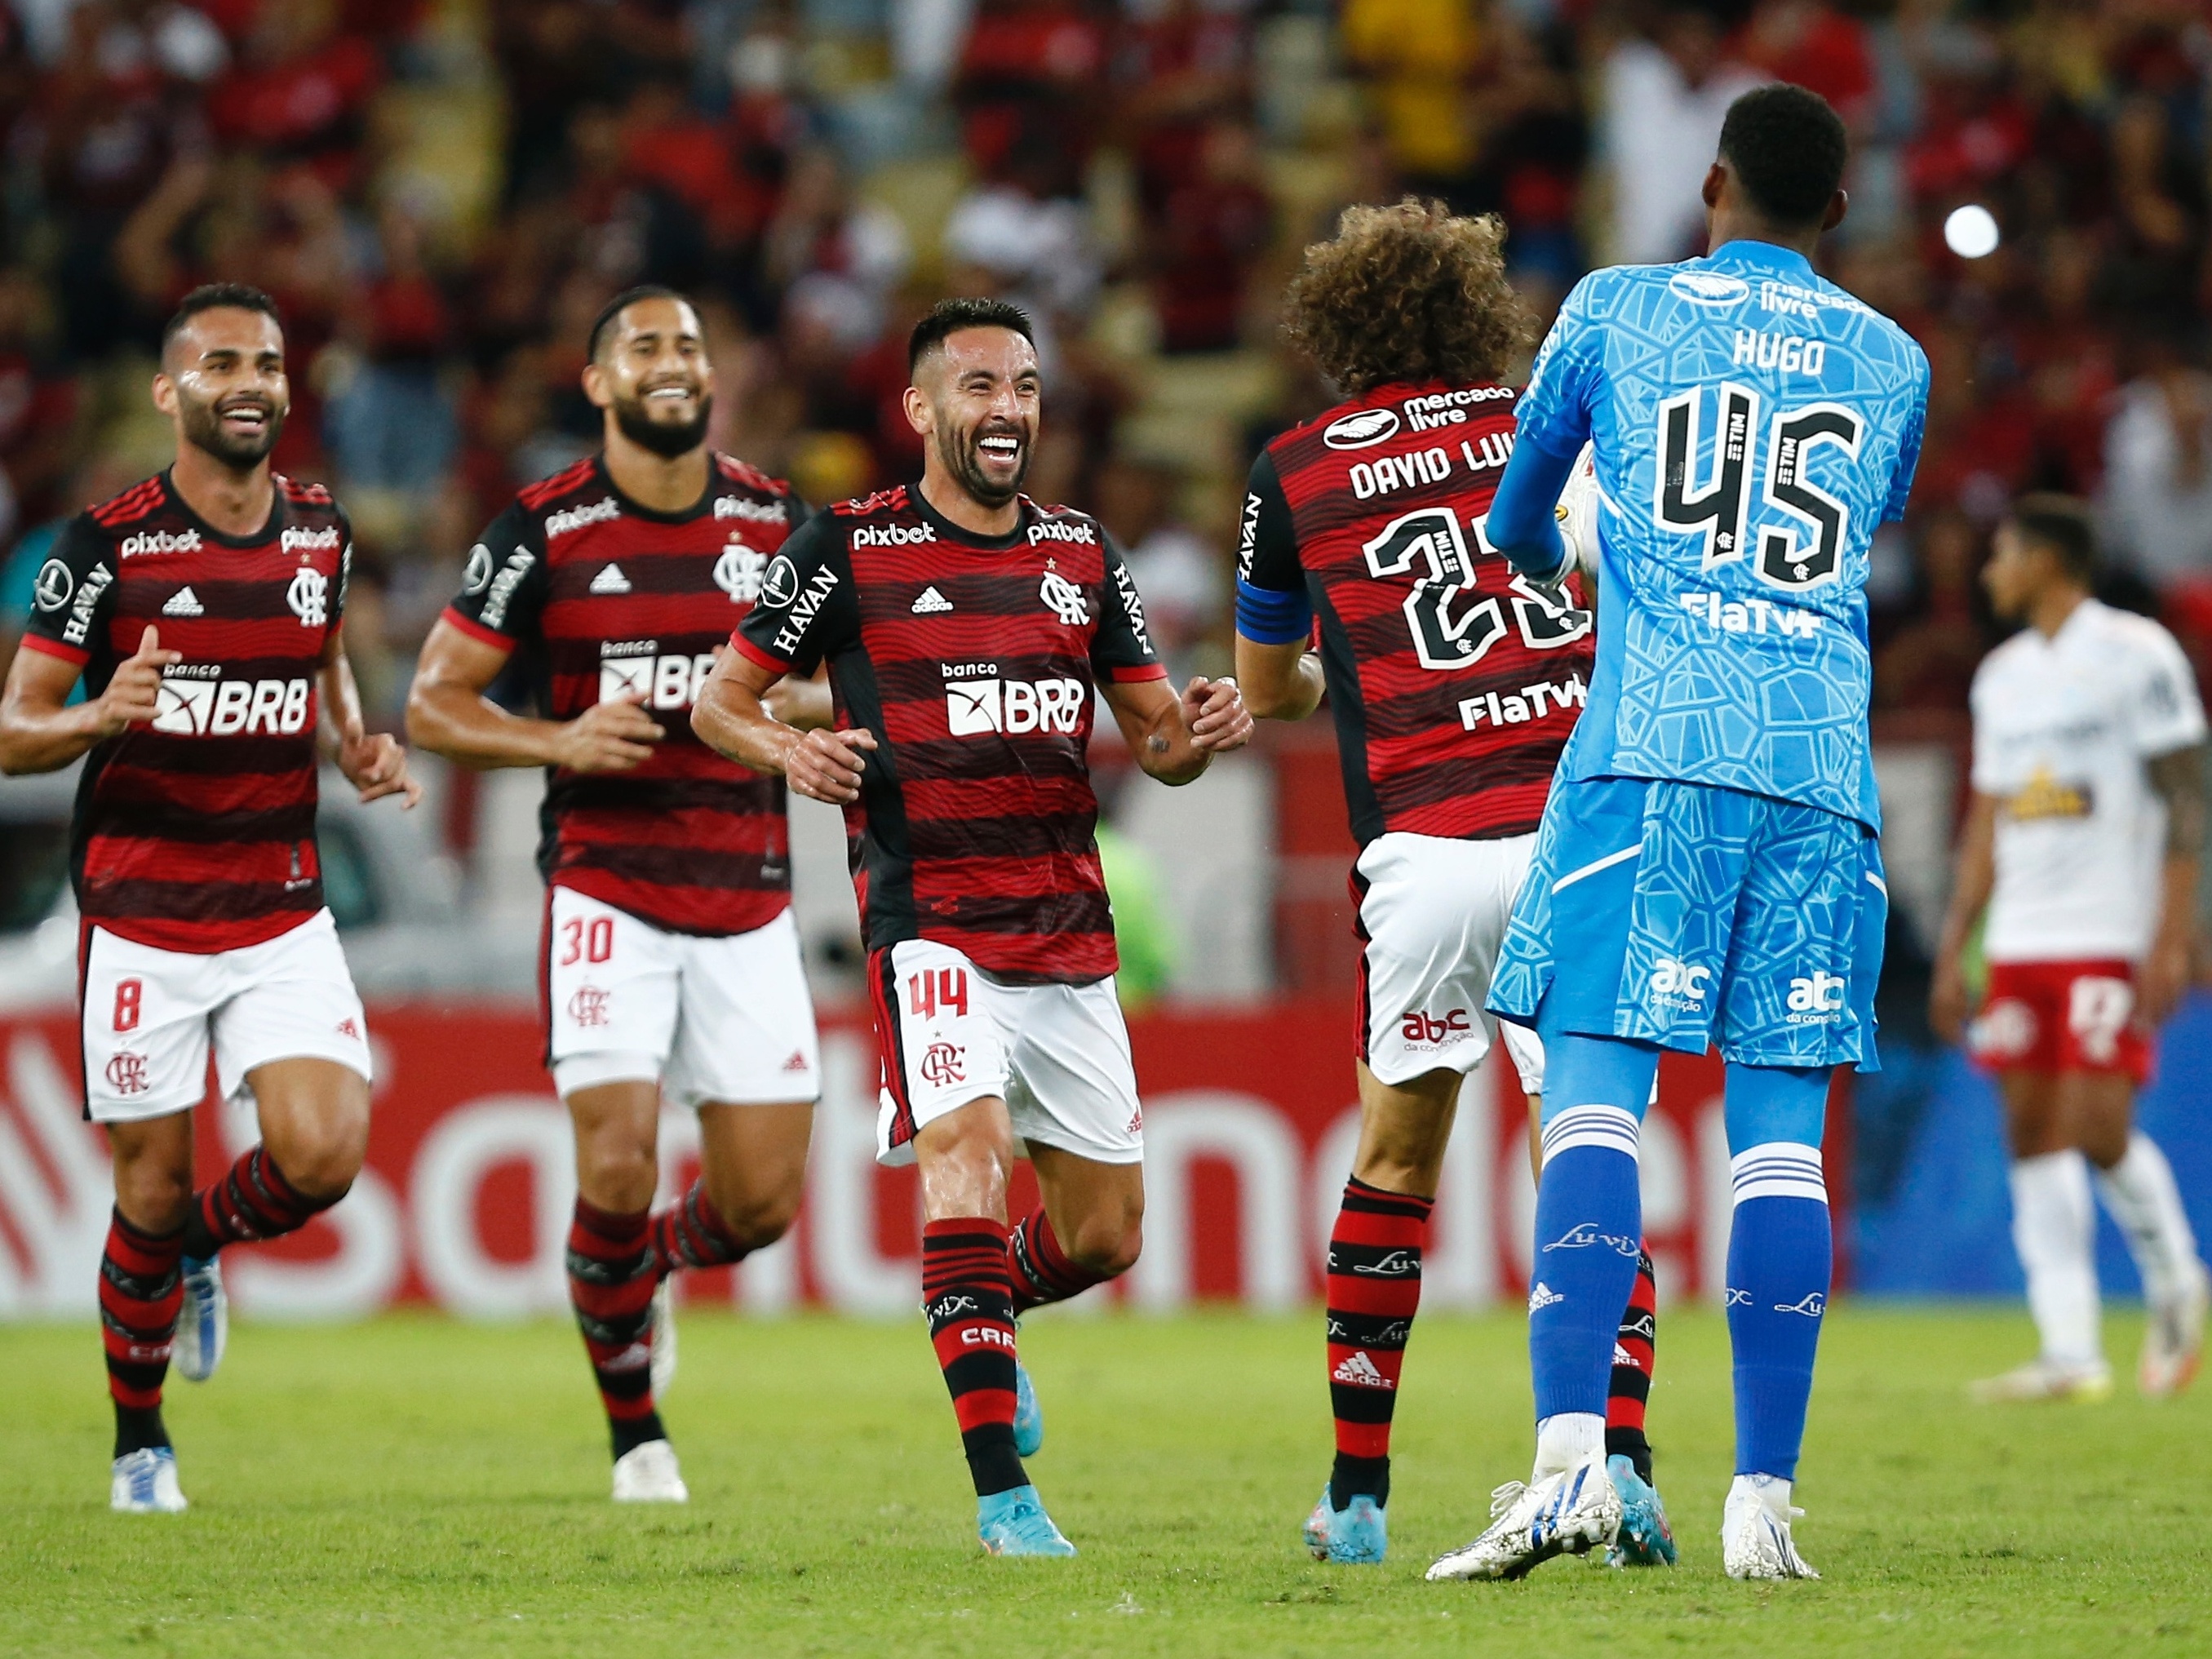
1453 681
973 660
614 600
196 832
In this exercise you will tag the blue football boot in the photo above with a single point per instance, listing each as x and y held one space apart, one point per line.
1015 1523
1357 1535
1645 1538
1028 1416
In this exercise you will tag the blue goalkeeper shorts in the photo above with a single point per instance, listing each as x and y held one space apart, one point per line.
1690 916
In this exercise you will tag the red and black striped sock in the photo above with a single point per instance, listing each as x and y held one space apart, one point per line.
1040 1270
141 1288
1374 1289
692 1233
1633 1349
970 1303
610 1282
251 1201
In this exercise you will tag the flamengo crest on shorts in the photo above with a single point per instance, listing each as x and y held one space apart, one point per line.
197 833
976 818
627 602
1454 683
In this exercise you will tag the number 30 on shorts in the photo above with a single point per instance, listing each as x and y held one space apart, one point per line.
583 939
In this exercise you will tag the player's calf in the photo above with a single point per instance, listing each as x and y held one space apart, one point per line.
140 1287
611 1283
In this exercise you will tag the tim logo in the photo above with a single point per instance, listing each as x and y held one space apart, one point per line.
943 1064
1816 1000
1010 708
309 597
1064 598
1679 982
590 1006
1431 1030
126 1074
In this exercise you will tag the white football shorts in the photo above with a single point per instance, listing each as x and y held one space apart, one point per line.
1057 1054
719 1017
1432 915
150 1015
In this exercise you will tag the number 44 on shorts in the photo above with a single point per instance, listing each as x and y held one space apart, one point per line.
937 987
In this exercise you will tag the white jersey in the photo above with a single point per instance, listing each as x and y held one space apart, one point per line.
2064 729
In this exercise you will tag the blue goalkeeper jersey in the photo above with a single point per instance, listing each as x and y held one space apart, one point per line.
1753 423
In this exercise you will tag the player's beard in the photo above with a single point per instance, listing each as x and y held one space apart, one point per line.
667 439
960 453
240 451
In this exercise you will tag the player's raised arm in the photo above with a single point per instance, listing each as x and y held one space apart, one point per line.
1280 678
1176 738
732 719
448 715
39 732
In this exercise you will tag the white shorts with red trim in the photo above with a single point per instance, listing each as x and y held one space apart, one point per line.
150 1016
1432 914
713 1017
1057 1054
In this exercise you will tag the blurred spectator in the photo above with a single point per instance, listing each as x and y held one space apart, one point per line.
1416 58
1213 226
1930 662
2158 475
393 425
1664 98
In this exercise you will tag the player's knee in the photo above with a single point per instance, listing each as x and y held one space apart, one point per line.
617 1173
1107 1245
321 1157
153 1197
756 1219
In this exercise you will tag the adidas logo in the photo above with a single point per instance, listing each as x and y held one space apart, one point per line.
1360 1372
610 580
797 1062
931 603
1622 1357
1543 1296
184 603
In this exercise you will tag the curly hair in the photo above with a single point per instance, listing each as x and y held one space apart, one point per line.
1406 292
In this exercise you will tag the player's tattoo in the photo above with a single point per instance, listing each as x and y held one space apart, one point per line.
1160 746
2179 779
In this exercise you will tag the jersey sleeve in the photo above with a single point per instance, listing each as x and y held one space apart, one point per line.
2167 715
73 594
1908 449
1271 606
1981 773
1554 412
1120 650
344 584
504 583
807 611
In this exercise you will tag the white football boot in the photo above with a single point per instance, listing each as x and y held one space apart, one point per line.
662 1333
2044 1379
2174 1340
203 1321
1570 1513
1755 1531
145 1483
648 1475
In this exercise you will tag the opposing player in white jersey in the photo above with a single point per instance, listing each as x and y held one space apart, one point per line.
2083 841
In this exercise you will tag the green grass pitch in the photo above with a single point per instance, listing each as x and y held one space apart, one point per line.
418 1487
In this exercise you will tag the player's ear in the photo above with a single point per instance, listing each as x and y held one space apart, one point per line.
165 393
1838 205
1716 181
920 414
595 385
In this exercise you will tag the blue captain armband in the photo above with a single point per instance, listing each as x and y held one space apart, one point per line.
1266 617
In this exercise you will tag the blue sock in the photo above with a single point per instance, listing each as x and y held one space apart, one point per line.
1589 1216
1780 1255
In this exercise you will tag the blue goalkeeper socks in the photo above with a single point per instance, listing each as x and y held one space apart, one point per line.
1589 1218
1780 1256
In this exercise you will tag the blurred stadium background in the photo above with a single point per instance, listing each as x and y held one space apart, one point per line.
442 192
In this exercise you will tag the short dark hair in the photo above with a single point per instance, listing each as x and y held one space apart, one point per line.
218 296
949 317
2064 526
1789 148
622 302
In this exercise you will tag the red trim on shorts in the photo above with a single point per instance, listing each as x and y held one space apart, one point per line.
545 976
883 993
83 1011
1358 886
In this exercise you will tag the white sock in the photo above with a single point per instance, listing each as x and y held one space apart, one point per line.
1770 1491
2053 1219
2139 1191
1564 1439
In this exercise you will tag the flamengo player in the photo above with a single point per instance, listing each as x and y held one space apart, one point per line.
202 607
1707 871
2082 839
672 959
966 629
1455 683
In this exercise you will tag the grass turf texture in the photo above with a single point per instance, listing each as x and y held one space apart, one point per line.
414 1486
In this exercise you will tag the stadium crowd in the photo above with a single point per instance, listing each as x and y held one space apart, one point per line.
442 192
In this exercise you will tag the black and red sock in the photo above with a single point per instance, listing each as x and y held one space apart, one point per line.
969 1303
1042 1272
1373 1290
692 1233
250 1200
141 1288
610 1283
1633 1349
